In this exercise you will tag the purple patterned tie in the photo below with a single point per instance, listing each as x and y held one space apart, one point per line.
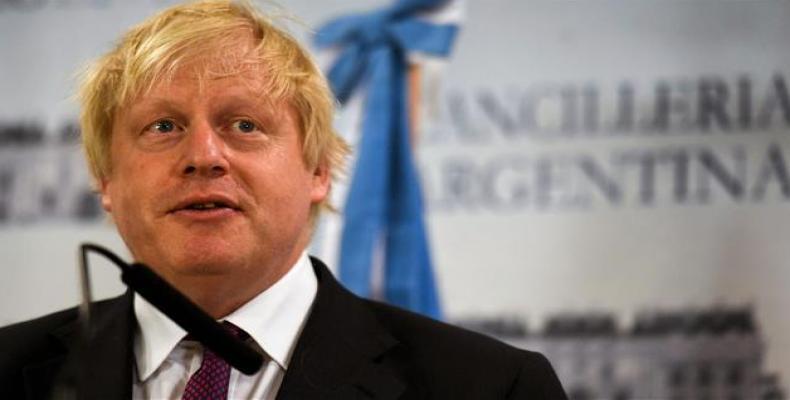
210 381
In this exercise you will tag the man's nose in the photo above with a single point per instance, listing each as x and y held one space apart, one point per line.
205 153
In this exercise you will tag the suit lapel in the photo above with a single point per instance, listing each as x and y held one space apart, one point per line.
105 364
338 355
110 352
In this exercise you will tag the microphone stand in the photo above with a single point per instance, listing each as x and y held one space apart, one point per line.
167 299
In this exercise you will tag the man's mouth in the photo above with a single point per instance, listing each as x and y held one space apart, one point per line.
207 206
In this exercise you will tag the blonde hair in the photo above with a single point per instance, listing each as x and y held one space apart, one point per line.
156 48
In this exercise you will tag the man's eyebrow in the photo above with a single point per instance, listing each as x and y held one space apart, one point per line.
149 103
260 105
141 111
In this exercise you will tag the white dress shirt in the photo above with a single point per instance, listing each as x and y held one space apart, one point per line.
274 320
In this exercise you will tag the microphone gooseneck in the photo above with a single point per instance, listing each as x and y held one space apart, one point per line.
167 299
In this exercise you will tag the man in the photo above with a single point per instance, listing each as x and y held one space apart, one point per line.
209 134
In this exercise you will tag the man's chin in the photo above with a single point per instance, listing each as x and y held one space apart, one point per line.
196 264
199 270
210 265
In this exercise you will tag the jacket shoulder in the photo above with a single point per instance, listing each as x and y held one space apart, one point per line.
466 363
441 338
30 343
26 340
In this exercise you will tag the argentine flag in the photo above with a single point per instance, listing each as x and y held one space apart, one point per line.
378 243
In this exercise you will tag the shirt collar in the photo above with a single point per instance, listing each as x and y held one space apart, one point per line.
274 319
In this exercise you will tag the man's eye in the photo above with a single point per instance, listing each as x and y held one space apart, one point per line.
244 126
162 126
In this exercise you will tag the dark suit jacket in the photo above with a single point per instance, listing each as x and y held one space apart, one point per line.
350 349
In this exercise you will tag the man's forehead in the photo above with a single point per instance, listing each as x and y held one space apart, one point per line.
235 54
212 76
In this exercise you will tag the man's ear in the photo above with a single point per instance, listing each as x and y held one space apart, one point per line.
322 180
104 194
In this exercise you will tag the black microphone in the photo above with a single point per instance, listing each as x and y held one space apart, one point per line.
180 309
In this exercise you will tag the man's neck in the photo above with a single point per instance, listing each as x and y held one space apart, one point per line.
221 294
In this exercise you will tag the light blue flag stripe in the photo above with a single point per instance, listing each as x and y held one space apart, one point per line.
384 207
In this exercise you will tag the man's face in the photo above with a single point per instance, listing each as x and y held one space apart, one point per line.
208 179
